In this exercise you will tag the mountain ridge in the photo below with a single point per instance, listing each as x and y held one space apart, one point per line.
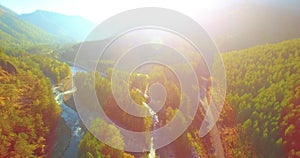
70 26
15 32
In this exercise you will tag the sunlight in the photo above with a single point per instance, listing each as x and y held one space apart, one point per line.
99 11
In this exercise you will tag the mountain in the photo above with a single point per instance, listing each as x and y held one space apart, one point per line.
74 27
247 24
238 26
16 32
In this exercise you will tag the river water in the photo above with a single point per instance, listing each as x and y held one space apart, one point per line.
155 121
71 119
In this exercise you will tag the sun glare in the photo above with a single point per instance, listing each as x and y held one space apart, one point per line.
98 12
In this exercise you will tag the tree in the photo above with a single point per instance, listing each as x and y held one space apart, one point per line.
90 145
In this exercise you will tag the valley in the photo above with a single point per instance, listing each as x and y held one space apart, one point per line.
44 95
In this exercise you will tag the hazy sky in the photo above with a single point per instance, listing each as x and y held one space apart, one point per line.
97 11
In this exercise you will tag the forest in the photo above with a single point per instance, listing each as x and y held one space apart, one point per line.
263 83
260 117
28 110
40 85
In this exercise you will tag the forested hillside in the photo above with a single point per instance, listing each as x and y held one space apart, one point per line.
15 32
263 88
28 110
252 23
260 117
74 28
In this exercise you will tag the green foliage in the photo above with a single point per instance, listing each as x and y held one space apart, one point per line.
27 108
84 83
14 32
51 67
261 90
138 84
90 146
70 27
290 124
260 83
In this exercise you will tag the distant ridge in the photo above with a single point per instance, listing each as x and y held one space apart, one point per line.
74 27
249 24
15 32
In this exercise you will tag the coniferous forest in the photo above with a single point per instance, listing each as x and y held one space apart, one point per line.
41 87
29 112
261 113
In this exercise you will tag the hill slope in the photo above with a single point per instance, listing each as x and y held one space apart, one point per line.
249 24
61 25
16 32
262 88
27 108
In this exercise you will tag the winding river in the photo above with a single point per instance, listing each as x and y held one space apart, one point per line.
71 119
73 122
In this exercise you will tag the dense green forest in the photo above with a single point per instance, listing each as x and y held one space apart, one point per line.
28 110
262 85
260 117
90 146
261 113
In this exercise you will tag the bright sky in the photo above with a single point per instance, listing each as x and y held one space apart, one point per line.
97 11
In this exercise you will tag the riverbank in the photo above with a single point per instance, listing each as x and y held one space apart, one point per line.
69 130
66 84
62 137
62 133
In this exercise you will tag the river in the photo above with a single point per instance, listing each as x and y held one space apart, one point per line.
71 118
73 122
155 121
